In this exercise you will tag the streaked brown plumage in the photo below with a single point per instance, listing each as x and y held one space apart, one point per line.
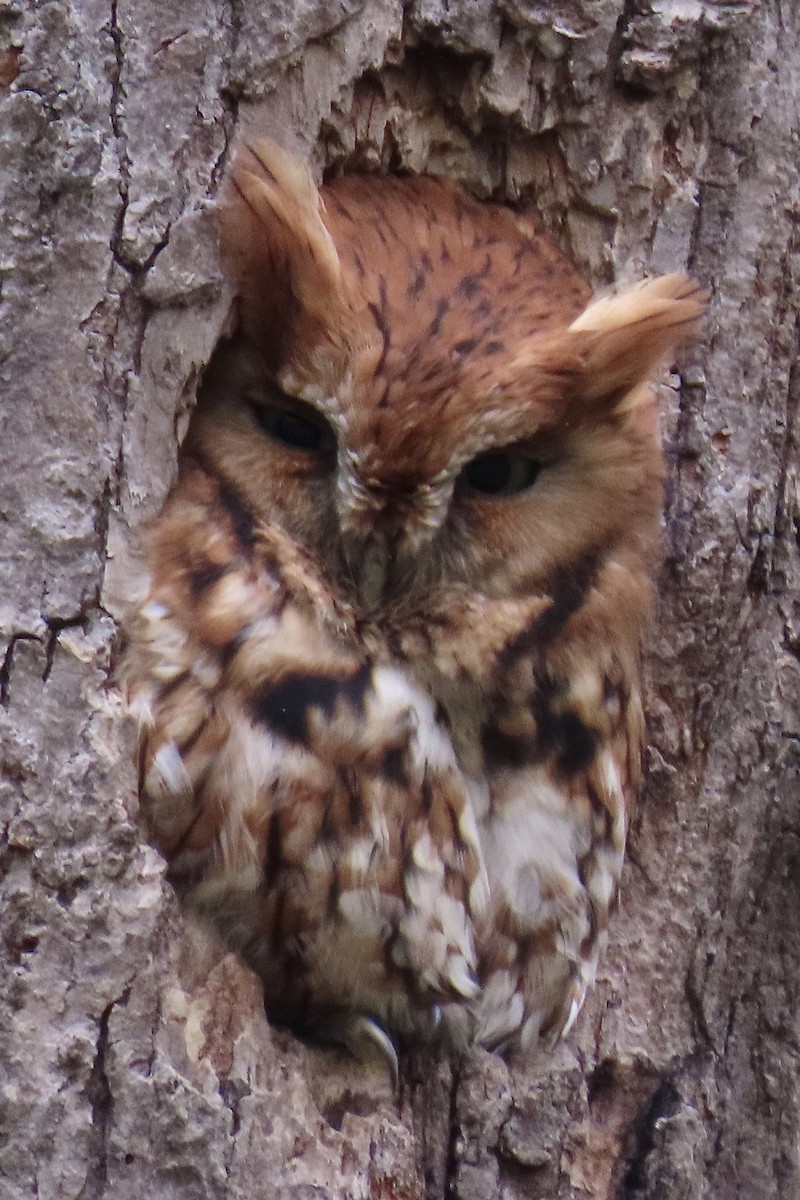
385 662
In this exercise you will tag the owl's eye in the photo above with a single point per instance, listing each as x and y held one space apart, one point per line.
499 473
294 424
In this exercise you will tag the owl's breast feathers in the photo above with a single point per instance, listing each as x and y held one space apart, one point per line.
336 813
304 795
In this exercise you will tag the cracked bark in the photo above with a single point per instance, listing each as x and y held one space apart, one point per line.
135 1058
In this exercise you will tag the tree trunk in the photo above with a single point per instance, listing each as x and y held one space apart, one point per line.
136 1060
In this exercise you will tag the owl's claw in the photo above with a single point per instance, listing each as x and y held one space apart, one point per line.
361 1035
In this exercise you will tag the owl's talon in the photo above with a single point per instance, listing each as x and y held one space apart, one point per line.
361 1036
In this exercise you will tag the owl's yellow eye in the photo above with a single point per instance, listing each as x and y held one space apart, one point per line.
499 473
294 424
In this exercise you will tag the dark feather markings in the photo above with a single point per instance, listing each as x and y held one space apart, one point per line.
568 593
565 738
204 575
560 737
501 749
442 309
273 856
285 706
394 767
241 517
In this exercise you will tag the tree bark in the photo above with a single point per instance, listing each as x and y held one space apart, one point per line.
135 1057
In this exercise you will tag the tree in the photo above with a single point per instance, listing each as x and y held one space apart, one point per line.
136 1059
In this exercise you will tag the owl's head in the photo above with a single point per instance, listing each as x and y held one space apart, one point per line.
422 391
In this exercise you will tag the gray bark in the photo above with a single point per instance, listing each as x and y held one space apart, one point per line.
135 1058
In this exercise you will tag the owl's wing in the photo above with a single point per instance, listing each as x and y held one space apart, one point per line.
305 797
563 736
558 744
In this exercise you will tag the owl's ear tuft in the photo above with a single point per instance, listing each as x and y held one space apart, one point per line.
280 253
625 337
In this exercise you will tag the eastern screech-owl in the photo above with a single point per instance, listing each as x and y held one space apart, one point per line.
386 660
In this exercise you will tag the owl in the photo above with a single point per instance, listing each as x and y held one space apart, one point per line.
385 661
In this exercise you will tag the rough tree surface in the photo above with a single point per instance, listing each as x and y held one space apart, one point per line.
135 1059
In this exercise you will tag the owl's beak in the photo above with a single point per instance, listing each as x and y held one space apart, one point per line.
384 533
379 567
371 572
